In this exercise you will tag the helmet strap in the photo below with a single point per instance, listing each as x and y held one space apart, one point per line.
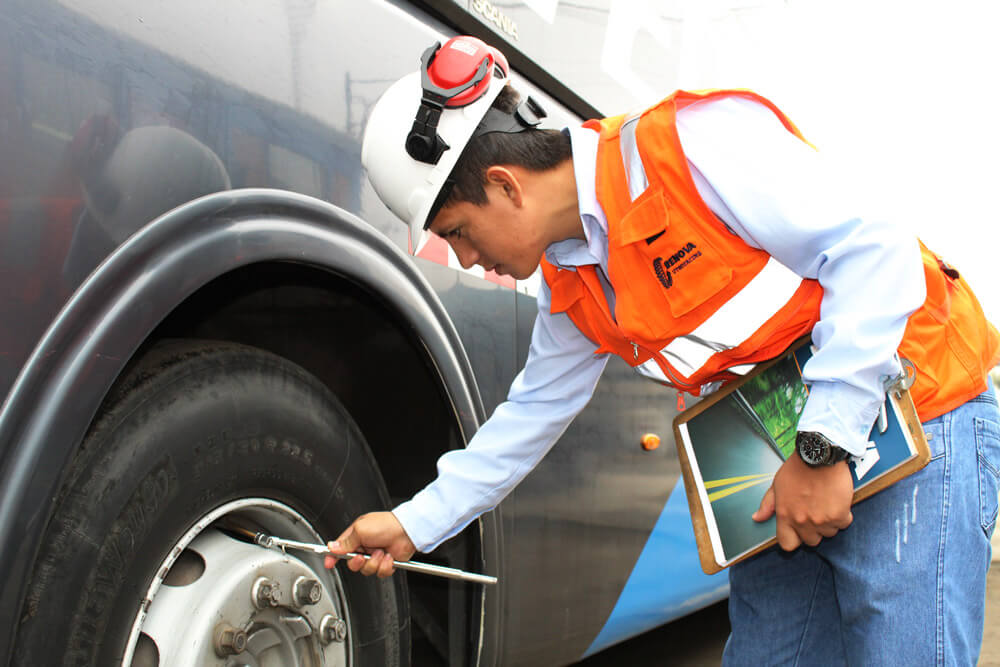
528 114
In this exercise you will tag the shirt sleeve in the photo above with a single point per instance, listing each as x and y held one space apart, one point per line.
779 194
555 384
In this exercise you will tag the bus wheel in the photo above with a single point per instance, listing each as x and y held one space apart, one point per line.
147 560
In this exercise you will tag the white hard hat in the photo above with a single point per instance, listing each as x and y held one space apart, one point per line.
419 127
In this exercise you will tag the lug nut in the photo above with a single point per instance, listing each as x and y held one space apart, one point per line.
265 593
229 640
307 591
332 629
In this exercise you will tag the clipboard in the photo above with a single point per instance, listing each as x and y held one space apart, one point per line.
731 444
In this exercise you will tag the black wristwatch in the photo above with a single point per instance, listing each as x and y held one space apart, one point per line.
818 450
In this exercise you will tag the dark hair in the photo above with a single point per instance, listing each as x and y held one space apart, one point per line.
532 149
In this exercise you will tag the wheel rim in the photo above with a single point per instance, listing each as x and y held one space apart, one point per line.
217 599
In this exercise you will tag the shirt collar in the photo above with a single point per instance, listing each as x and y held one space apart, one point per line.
594 249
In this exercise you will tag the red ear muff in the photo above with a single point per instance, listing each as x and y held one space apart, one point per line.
453 75
458 64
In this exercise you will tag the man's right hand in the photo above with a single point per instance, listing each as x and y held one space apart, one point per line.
379 534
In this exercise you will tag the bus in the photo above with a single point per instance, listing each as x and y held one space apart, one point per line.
210 326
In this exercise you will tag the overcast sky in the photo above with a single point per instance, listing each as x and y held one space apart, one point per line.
904 93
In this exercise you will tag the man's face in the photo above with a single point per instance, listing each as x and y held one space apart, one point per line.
499 236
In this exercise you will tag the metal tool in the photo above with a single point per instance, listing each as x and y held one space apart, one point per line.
271 541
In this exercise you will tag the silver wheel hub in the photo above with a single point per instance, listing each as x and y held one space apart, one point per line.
223 601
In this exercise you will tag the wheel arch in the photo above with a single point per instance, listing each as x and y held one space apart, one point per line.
138 294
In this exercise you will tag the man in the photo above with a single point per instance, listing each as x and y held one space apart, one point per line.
695 240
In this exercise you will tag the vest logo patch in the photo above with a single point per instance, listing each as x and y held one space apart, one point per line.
662 267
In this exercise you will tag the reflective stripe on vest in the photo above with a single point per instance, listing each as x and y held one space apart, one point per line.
738 319
635 173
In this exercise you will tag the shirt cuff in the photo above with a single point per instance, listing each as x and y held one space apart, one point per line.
418 520
841 412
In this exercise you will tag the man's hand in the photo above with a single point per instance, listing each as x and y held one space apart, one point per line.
810 503
379 534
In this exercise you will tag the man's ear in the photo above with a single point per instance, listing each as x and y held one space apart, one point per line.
507 182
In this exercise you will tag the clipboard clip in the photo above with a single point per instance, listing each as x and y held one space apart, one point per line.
897 384
904 380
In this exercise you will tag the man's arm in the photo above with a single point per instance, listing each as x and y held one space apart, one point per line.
780 195
556 383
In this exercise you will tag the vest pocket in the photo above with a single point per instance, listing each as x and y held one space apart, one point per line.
668 262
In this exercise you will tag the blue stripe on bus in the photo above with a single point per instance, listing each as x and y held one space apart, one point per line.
667 581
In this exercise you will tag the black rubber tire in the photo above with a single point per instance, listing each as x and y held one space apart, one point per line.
189 427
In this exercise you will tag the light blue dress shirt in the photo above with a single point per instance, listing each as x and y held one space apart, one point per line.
776 193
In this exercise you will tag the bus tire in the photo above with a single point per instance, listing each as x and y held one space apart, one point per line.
191 430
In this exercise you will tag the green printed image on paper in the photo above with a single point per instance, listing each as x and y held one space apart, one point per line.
777 398
739 445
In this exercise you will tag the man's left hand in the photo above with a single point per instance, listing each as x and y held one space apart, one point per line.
810 503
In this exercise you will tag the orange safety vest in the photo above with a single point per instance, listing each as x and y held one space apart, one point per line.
696 305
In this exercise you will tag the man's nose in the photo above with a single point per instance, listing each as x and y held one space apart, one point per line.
467 257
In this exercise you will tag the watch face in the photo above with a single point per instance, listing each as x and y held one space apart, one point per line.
813 449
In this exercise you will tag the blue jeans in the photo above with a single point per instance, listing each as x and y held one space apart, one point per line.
904 584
